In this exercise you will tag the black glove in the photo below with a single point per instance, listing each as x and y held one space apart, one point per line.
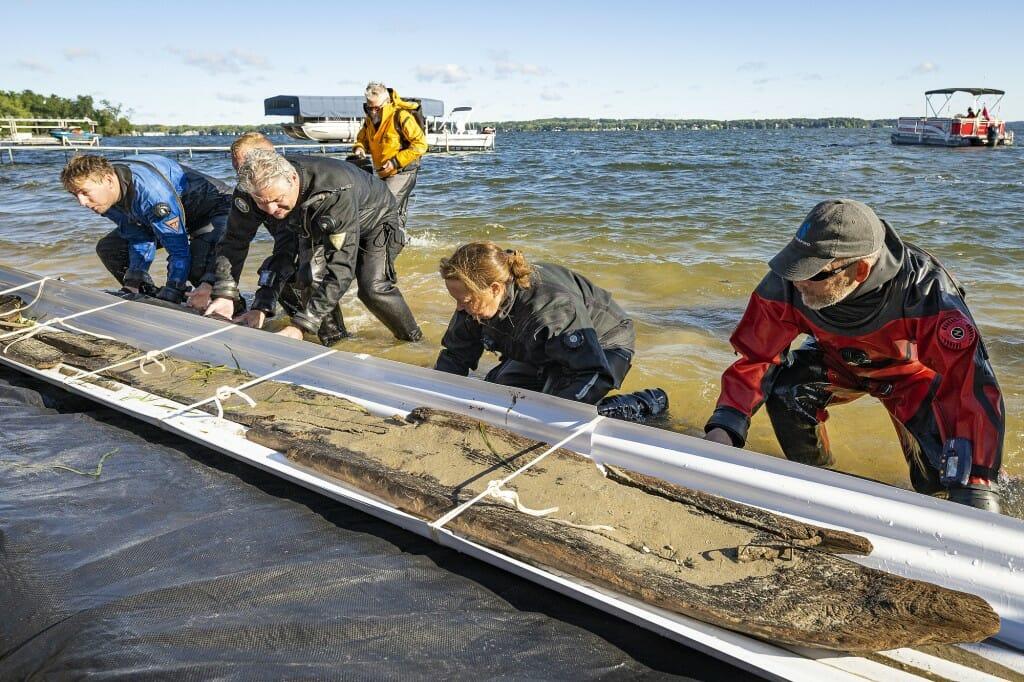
172 292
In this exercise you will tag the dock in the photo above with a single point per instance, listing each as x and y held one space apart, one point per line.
7 151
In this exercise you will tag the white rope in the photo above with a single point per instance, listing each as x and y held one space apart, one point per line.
223 393
28 333
153 355
497 485
28 305
495 491
83 331
248 384
25 286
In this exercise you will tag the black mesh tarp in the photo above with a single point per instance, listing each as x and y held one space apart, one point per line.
175 562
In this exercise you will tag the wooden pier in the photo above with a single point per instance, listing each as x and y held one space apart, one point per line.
7 151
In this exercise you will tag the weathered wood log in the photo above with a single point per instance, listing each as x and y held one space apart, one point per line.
32 353
789 531
693 553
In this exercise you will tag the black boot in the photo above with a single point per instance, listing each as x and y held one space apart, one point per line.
332 329
979 498
634 407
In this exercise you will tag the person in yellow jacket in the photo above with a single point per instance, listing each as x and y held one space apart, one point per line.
395 141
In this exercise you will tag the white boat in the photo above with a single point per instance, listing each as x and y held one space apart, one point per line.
338 119
979 126
455 132
913 535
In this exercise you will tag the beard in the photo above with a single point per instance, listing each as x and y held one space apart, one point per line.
833 293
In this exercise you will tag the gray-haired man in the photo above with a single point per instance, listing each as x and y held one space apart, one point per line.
339 224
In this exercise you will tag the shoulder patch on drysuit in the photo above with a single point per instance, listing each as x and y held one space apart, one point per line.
337 240
174 223
241 204
160 211
957 333
573 340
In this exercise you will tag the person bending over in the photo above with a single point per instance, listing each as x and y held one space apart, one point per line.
337 224
884 318
155 202
556 332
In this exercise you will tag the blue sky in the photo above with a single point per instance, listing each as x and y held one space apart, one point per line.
192 62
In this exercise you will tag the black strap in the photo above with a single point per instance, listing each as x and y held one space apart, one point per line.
401 132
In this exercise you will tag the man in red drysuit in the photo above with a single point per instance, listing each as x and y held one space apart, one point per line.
883 318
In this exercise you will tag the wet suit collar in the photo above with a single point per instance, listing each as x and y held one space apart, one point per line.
511 291
124 179
873 293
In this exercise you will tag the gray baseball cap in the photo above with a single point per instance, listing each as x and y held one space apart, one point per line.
837 228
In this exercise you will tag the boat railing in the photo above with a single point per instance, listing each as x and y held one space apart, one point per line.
14 126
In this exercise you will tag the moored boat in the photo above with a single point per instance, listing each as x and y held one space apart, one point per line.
75 135
979 126
338 119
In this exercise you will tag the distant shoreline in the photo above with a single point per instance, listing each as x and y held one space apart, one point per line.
570 125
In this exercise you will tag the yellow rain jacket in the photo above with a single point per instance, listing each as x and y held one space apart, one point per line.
387 143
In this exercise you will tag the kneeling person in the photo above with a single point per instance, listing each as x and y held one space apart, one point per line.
557 333
156 202
336 223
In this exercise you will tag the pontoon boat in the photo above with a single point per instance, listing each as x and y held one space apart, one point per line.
979 126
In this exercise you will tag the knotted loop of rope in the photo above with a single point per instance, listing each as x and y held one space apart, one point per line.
153 357
223 393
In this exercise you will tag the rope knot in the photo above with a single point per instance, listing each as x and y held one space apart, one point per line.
223 393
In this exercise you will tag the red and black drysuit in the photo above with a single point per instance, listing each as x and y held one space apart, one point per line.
904 336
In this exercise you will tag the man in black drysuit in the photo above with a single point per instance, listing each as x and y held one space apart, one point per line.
331 223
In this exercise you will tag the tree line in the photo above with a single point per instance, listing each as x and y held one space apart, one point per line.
111 119
589 124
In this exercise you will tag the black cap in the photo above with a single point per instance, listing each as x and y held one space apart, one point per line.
837 228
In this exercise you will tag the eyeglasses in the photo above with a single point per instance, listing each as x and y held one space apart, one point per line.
829 274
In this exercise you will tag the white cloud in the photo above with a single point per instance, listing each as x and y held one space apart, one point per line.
811 76
503 69
257 61
764 81
443 73
235 97
550 95
926 67
216 63
751 66
33 65
76 53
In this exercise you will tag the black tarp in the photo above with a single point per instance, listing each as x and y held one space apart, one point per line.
176 562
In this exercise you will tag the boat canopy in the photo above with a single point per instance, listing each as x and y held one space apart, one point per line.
973 91
312 106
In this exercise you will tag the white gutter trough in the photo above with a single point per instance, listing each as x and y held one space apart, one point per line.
914 535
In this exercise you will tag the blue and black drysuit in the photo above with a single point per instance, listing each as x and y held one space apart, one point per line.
163 204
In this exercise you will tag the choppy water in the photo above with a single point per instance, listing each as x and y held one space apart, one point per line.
679 225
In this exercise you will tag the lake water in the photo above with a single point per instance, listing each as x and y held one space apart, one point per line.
678 225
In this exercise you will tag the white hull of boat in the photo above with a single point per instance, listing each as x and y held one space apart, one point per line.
346 131
913 535
323 131
460 142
